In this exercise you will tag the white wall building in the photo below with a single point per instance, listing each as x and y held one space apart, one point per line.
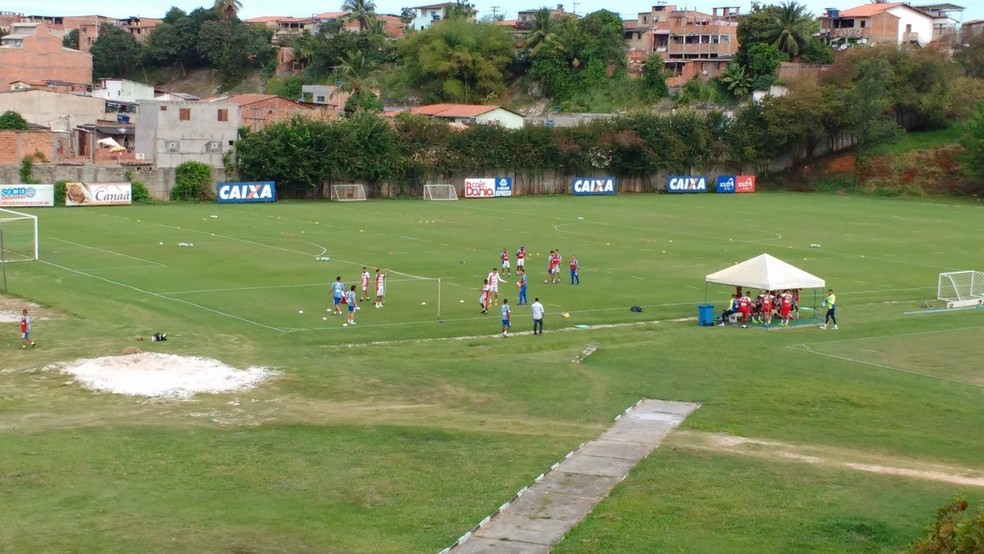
171 133
123 90
424 16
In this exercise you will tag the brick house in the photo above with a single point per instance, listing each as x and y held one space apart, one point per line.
31 52
887 23
256 111
171 133
51 147
691 43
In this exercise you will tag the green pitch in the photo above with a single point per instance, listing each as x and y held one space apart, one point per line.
376 440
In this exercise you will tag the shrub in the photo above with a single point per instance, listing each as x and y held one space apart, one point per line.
954 531
192 181
60 187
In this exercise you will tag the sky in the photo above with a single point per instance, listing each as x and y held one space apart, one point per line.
974 9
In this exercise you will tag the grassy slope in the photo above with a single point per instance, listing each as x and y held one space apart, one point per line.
403 447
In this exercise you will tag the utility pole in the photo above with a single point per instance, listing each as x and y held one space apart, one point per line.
575 8
495 12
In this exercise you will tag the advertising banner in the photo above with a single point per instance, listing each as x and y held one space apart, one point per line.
503 186
745 184
686 184
243 192
27 196
592 186
726 184
479 188
97 194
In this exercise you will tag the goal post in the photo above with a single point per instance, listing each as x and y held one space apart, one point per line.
18 236
348 193
961 288
440 192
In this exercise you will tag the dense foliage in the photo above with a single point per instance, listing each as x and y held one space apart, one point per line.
13 121
192 181
954 531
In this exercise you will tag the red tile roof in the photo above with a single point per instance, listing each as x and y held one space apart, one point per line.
869 10
453 110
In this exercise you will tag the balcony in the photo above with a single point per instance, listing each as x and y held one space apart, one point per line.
910 37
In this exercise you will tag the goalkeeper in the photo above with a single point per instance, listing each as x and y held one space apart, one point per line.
831 303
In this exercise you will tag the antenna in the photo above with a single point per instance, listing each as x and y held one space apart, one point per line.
574 11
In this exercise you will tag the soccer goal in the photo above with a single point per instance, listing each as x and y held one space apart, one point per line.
961 288
348 193
18 236
440 192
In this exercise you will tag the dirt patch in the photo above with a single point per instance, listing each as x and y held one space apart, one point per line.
155 375
831 457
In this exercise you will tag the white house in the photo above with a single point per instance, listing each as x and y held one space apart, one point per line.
123 90
472 114
424 16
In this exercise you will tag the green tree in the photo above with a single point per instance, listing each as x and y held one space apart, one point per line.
457 61
359 75
174 42
817 51
736 80
972 139
461 9
233 47
540 32
363 11
970 53
115 53
192 181
763 60
13 121
751 29
869 110
654 76
227 9
790 29
71 39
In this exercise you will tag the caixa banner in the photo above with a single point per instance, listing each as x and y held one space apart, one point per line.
730 184
686 184
243 192
592 186
488 187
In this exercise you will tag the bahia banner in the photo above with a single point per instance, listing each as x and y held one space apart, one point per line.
488 187
98 194
592 186
27 196
686 184
243 192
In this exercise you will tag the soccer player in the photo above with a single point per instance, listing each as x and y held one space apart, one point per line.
575 278
364 281
745 308
767 301
494 286
380 287
785 307
830 303
506 323
337 293
537 310
350 299
550 261
483 299
25 328
521 258
521 283
504 258
558 259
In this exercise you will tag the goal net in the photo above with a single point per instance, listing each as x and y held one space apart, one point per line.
961 288
348 193
440 192
18 236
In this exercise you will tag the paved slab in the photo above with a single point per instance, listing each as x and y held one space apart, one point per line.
544 512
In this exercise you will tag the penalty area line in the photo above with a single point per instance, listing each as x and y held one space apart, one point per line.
161 296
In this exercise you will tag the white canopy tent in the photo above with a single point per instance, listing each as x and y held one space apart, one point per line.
767 273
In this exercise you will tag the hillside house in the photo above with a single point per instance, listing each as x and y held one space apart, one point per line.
171 133
31 52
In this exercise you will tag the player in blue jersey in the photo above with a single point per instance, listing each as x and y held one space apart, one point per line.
506 324
337 293
521 283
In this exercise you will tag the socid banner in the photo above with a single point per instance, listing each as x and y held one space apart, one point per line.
730 184
27 196
686 184
246 192
488 187
592 186
98 194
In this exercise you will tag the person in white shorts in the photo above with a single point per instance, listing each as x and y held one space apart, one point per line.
494 286
380 287
506 270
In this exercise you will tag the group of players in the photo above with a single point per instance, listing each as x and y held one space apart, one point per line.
490 286
342 297
764 307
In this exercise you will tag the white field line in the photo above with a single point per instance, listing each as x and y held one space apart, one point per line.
158 295
806 347
325 284
113 252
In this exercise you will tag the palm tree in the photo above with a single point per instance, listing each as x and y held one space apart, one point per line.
228 9
790 30
363 11
357 73
541 31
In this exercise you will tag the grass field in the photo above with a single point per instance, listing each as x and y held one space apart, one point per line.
402 433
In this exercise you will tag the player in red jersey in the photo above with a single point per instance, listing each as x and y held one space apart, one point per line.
744 308
504 258
521 258
25 329
483 299
550 261
767 302
785 307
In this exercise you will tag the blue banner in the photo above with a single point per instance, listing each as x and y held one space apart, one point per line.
503 186
686 184
726 184
238 193
592 186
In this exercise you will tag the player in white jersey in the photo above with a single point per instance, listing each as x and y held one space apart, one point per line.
494 286
364 281
380 287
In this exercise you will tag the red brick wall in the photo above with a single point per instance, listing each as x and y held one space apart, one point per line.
265 112
42 57
14 145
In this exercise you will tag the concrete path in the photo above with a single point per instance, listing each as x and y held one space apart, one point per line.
542 513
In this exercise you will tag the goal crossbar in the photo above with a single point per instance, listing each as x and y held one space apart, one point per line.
440 192
961 288
18 236
348 192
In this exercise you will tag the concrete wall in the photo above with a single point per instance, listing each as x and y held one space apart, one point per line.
54 109
160 123
159 181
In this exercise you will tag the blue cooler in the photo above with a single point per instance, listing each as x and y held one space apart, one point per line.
705 315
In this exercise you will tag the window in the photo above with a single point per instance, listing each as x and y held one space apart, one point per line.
223 114
320 99
184 114
163 108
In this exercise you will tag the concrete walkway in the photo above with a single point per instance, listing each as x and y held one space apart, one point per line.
542 513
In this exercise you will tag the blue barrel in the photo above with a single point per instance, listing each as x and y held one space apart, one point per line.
705 314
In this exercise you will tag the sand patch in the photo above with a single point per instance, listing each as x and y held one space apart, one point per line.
156 375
